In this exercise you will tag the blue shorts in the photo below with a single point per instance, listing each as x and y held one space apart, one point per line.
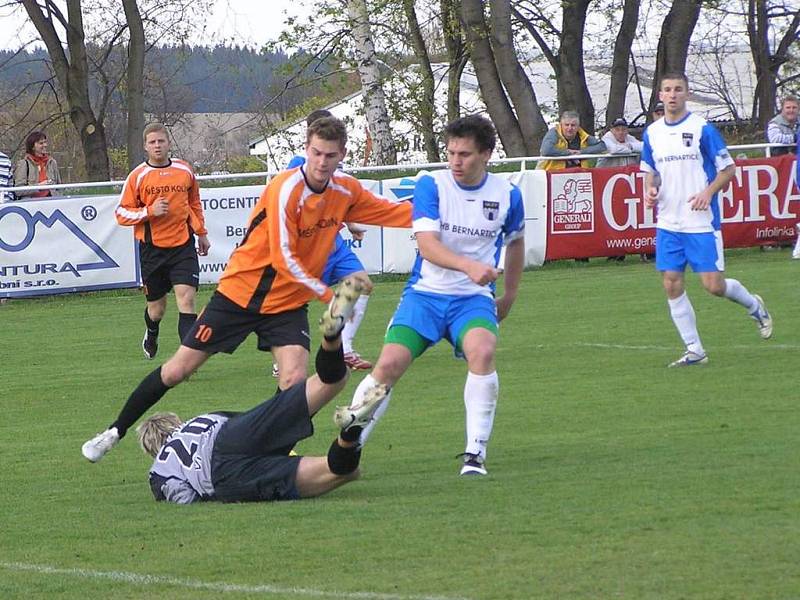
703 251
437 316
341 263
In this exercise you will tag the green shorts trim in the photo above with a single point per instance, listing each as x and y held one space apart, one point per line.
408 337
474 324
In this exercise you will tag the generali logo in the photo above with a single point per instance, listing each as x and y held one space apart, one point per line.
572 199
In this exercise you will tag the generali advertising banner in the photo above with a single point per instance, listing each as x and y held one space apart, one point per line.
601 212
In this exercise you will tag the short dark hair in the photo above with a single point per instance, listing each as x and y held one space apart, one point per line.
330 129
33 137
476 127
674 75
317 114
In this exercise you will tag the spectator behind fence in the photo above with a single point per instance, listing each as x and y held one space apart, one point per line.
5 179
658 111
619 141
37 167
783 127
565 139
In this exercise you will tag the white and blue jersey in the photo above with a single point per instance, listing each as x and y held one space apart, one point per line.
687 155
181 471
471 221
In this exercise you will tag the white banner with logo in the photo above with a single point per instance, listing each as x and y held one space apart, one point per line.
226 211
64 245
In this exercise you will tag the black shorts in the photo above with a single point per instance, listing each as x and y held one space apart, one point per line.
250 461
223 326
164 267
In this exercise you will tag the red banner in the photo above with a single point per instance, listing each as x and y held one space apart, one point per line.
600 212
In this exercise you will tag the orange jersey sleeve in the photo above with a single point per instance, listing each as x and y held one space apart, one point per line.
371 209
146 184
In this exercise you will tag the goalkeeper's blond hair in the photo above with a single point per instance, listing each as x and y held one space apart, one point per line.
155 430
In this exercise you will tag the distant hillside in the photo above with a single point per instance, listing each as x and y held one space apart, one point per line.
219 79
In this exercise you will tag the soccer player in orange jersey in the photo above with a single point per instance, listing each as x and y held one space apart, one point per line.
160 200
272 275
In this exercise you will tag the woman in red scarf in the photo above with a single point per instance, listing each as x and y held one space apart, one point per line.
37 167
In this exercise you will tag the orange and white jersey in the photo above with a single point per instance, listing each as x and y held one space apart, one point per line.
146 184
290 234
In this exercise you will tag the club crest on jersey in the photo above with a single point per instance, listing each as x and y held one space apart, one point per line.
490 209
687 139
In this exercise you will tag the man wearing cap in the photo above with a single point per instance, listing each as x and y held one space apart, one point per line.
658 111
619 141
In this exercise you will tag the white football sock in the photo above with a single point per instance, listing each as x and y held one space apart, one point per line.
683 316
351 327
796 250
480 401
366 384
738 293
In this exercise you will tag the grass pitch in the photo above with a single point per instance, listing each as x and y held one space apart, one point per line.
610 475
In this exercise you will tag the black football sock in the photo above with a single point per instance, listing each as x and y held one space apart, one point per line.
149 391
185 322
152 326
343 461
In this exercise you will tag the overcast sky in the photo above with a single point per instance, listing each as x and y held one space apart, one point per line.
246 22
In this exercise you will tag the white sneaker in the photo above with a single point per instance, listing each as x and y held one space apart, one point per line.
796 254
473 465
275 372
690 358
340 308
762 318
97 447
347 417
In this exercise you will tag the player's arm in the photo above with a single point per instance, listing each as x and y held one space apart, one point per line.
512 275
131 210
713 146
198 221
652 180
371 209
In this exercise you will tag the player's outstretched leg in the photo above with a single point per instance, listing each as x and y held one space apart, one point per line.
150 339
762 318
340 308
360 414
97 447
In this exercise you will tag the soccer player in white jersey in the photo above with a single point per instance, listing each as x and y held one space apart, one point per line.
686 164
462 218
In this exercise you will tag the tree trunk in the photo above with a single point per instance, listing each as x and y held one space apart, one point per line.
515 79
673 45
572 91
619 67
767 65
456 56
494 96
135 80
427 102
384 151
73 78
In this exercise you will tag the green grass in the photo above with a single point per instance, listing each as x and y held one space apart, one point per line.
610 475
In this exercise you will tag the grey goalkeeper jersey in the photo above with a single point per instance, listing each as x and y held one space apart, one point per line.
181 472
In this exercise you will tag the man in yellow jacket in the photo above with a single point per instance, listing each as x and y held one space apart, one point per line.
565 139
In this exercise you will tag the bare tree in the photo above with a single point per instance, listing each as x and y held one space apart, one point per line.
567 61
494 79
456 55
622 60
384 150
427 104
673 45
135 79
72 72
767 62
